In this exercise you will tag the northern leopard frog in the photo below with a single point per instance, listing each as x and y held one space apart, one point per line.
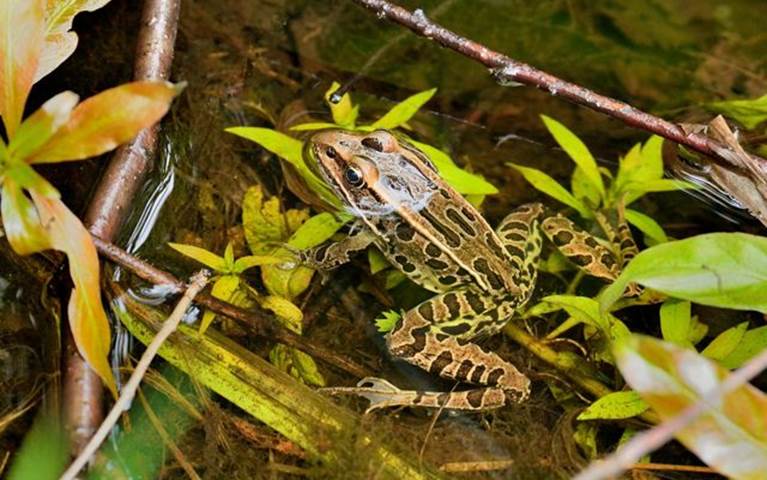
441 242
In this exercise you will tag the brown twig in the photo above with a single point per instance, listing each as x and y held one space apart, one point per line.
128 393
111 201
257 321
508 70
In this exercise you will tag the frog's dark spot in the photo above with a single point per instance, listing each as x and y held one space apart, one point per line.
408 268
514 225
468 214
451 238
436 264
493 278
607 260
433 250
405 232
426 311
441 336
443 360
456 330
475 302
447 280
320 252
515 251
493 376
581 260
455 216
476 375
464 369
444 193
563 237
453 307
492 243
475 398
627 243
514 236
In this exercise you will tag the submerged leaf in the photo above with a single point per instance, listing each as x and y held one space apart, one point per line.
731 433
22 24
108 119
719 269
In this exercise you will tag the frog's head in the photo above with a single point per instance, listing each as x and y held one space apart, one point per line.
373 173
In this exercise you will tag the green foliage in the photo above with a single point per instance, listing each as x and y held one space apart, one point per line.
615 406
44 453
730 435
345 115
750 113
726 270
387 320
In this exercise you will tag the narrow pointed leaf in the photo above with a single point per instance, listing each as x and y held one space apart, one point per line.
302 127
39 127
730 435
87 319
209 259
107 120
726 270
750 113
464 182
22 24
26 177
754 341
726 342
404 111
21 221
646 225
577 151
544 183
317 229
344 112
676 321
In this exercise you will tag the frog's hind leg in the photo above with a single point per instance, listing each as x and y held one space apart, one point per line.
521 239
581 248
443 348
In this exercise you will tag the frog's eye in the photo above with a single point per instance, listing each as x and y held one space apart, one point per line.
373 143
331 152
353 176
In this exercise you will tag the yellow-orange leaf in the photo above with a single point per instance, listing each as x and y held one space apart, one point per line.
22 30
21 222
108 119
41 125
60 42
87 319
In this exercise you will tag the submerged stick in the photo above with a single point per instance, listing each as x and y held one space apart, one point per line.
508 70
197 283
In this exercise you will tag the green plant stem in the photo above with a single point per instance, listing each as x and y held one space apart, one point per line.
575 282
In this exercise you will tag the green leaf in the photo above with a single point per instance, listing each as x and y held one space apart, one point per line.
577 151
207 258
318 229
615 406
676 321
291 150
22 23
387 320
583 189
544 183
97 126
731 433
289 314
404 111
21 223
229 256
27 178
586 310
635 190
376 260
647 225
643 163
752 343
262 221
45 451
302 127
462 181
726 270
39 127
344 112
250 261
750 113
224 288
726 342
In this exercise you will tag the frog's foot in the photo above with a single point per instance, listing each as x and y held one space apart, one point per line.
382 394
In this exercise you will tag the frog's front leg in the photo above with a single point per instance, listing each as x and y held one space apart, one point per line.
444 348
330 255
